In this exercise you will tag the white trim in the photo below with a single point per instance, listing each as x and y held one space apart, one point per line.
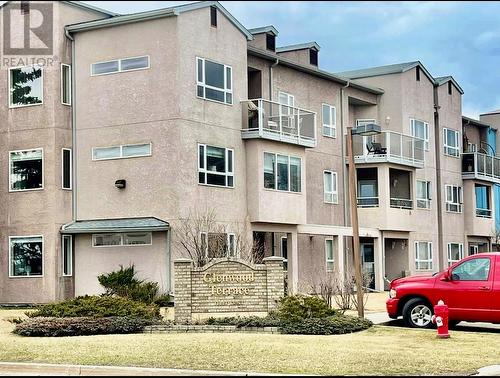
327 260
62 84
121 151
121 239
426 138
119 60
70 168
10 172
332 125
9 91
226 172
276 172
334 193
202 84
63 261
10 256
429 259
427 192
460 252
446 146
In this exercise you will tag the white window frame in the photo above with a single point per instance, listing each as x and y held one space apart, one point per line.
70 168
63 260
9 89
120 65
449 201
10 256
226 174
121 151
446 146
62 84
327 260
460 253
334 193
474 248
331 124
228 242
428 198
202 83
428 260
10 171
426 132
122 236
276 173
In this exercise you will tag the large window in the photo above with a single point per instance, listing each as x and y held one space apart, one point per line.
214 81
125 239
26 256
26 86
330 260
282 172
67 255
215 166
65 84
483 208
218 244
423 255
423 194
284 251
472 270
454 199
451 142
121 152
420 129
330 187
66 168
120 65
455 252
26 170
329 121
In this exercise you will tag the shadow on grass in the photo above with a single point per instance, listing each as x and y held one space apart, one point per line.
463 326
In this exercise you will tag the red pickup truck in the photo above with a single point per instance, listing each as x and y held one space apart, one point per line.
470 288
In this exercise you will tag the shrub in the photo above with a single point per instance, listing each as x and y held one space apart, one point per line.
97 307
250 321
333 325
298 307
163 300
80 326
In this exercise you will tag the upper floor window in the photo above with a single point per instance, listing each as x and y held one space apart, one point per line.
26 256
417 73
215 166
213 16
282 172
454 199
66 168
483 207
214 81
455 252
329 121
423 194
313 57
471 147
121 152
270 42
423 255
330 260
65 84
26 170
330 187
451 142
26 86
420 129
120 65
449 88
119 239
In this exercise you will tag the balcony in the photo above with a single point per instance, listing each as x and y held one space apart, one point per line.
480 166
273 121
401 203
389 147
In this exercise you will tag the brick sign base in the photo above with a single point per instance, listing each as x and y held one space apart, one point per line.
226 287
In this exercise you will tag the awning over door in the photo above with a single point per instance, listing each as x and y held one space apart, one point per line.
149 224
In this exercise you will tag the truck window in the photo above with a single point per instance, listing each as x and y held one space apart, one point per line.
472 270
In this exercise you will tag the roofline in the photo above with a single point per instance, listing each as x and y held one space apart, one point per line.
264 29
493 112
85 6
254 51
476 122
448 78
411 66
299 46
64 227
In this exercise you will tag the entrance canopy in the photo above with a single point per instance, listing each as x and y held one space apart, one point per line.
149 224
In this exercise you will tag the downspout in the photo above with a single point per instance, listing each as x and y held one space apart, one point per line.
439 196
271 78
344 173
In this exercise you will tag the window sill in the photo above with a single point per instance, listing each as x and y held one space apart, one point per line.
23 106
282 191
329 136
452 156
33 276
331 203
124 157
25 190
216 186
215 101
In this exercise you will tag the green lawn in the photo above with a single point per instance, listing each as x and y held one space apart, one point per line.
377 351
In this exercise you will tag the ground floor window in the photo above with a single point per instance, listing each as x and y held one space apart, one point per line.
330 261
455 252
218 244
423 255
67 255
473 249
284 251
121 239
26 256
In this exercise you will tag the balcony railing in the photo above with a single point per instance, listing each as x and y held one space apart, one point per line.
401 203
476 165
390 147
271 120
483 213
367 201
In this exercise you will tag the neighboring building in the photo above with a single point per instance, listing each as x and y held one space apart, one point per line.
181 110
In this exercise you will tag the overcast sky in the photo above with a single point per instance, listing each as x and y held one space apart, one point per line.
461 39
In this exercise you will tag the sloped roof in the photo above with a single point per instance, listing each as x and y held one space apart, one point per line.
474 122
81 5
264 29
492 112
300 46
444 79
115 225
385 70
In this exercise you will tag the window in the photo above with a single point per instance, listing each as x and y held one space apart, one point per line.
66 168
471 147
483 209
329 121
420 129
473 250
126 239
65 84
219 244
472 270
417 72
455 252
286 109
284 251
423 194
313 57
449 88
282 172
26 86
26 170
215 166
214 81
120 65
330 262
451 142
26 256
121 152
213 16
330 187
67 255
423 255
454 198
271 42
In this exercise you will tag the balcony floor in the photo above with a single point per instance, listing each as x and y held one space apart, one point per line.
279 137
383 158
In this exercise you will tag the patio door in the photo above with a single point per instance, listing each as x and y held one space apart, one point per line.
366 139
368 262
287 103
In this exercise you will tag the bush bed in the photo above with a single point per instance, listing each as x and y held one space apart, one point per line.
97 307
79 326
333 325
250 321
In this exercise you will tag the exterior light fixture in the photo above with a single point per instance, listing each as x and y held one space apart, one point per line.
121 184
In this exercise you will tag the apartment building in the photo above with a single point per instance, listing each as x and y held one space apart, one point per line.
152 117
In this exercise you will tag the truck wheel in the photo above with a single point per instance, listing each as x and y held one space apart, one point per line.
417 313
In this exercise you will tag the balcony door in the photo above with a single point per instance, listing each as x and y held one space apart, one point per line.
366 139
287 113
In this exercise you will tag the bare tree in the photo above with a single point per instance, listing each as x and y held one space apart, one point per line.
495 237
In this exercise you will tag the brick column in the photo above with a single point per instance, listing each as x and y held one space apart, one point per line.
275 281
182 282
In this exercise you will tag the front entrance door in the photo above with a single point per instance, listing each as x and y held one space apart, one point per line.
368 262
